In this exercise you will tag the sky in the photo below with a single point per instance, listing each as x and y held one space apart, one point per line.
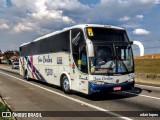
24 20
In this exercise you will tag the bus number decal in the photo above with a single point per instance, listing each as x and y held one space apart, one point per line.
49 72
59 60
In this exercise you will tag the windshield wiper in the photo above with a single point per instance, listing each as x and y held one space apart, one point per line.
122 62
118 58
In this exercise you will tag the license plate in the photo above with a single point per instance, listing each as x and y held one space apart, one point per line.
116 88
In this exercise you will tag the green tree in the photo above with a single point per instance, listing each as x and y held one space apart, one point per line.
8 54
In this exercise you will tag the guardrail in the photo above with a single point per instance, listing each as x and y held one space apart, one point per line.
148 78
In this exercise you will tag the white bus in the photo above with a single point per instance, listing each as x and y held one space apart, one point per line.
85 58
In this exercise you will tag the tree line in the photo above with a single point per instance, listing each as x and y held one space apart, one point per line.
9 55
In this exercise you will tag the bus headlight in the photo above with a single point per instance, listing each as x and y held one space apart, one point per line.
98 82
130 80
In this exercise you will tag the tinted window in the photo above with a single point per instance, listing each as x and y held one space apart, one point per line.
55 43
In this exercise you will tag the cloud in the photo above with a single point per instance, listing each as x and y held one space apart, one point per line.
75 12
51 15
157 2
125 18
131 25
44 14
119 9
2 3
4 26
140 31
28 19
139 16
42 11
21 27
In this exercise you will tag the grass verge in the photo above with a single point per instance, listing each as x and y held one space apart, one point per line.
147 66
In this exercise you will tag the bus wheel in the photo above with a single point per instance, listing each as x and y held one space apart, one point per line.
26 75
65 85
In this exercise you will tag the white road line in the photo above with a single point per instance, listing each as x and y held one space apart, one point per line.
147 86
73 99
142 95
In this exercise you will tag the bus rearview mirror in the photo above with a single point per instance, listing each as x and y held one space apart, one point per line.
140 45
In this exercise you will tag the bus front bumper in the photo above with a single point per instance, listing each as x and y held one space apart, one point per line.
96 88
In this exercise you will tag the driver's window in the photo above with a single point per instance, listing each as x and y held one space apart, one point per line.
79 49
82 59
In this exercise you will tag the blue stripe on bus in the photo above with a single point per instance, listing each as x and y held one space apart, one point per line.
95 88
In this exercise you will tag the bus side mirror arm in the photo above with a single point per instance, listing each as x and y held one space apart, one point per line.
140 45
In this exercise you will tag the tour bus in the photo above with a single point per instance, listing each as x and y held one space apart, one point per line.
87 58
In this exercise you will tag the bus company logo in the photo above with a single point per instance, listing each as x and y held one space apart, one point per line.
103 78
107 78
97 78
76 39
44 59
40 59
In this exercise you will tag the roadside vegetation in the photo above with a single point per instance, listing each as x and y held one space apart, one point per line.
9 56
147 66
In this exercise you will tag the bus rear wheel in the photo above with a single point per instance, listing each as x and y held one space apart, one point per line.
66 85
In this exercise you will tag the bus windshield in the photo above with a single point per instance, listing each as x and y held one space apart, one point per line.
110 59
112 51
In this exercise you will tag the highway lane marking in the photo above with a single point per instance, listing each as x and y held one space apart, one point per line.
147 86
73 99
142 95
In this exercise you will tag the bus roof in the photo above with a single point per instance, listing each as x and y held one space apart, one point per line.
82 26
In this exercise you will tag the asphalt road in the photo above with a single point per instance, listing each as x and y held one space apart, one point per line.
32 96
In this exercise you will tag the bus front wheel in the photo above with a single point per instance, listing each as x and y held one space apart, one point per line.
65 85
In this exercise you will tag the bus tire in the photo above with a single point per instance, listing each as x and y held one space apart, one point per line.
65 85
26 75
